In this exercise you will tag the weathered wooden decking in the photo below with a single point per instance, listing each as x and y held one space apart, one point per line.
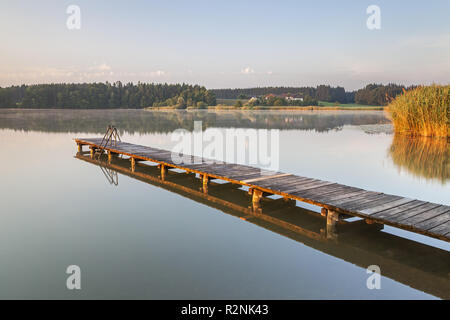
336 199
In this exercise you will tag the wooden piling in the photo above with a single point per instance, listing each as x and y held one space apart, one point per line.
205 181
163 171
332 219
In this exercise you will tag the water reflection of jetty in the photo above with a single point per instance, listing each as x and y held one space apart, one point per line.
421 156
417 265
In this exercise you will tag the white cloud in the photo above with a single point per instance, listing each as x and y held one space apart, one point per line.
101 67
247 70
157 73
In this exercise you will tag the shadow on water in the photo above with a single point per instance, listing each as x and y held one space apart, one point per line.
417 265
141 121
421 156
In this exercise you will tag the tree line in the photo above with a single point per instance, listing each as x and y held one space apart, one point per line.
279 101
322 93
372 94
141 95
105 95
378 94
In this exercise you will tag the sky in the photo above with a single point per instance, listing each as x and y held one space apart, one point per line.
225 44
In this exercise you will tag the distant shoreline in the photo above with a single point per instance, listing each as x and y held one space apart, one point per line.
283 108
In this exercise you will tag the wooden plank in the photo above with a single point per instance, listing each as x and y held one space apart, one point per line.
410 213
237 172
346 195
386 206
267 177
321 192
425 216
339 192
305 183
372 204
299 189
434 222
248 175
393 211
442 229
364 200
282 182
290 185
365 195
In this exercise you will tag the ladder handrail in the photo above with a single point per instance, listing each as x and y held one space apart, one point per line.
111 135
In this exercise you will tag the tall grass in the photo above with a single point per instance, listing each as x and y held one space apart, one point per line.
422 111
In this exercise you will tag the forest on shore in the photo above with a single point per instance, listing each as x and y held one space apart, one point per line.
372 94
180 96
105 96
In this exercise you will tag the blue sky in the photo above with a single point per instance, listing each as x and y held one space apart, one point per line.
226 43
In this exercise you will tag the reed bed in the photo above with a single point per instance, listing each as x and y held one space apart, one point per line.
423 111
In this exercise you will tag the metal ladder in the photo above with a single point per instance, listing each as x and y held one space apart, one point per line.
111 137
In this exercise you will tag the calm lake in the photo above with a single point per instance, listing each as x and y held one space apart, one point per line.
134 237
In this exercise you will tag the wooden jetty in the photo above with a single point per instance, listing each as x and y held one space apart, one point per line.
414 264
336 200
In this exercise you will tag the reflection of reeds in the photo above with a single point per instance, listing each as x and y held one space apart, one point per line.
422 111
423 157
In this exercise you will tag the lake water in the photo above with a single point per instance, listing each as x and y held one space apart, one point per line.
134 237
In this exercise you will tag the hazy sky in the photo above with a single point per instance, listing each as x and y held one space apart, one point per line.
226 43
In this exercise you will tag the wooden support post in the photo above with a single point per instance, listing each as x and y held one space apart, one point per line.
109 156
163 171
205 181
256 196
332 219
133 164
324 212
80 147
92 152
